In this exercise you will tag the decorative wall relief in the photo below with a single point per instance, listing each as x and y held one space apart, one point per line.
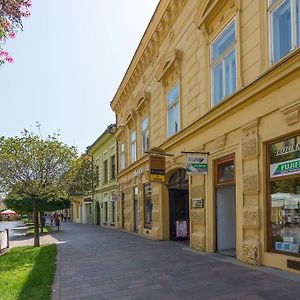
250 183
250 216
250 139
197 216
198 241
249 147
250 252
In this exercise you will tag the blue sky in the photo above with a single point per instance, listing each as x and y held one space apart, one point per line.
69 62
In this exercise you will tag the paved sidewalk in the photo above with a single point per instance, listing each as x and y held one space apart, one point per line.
102 263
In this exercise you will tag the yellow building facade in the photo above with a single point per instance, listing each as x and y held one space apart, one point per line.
216 77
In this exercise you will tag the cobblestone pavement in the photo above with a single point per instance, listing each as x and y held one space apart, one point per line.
102 263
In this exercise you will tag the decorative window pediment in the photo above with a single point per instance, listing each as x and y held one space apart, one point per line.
210 10
131 117
169 65
142 100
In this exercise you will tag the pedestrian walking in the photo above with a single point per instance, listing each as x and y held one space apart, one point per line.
52 219
57 221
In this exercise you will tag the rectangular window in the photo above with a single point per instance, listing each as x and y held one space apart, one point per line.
223 64
105 171
284 27
173 110
133 146
145 134
122 158
148 205
284 195
113 167
97 175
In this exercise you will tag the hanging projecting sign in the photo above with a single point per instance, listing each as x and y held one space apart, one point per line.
157 168
285 168
196 163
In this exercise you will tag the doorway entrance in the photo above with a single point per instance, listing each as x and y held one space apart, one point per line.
97 213
225 207
135 208
179 205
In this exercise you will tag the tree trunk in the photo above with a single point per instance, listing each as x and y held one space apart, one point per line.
36 223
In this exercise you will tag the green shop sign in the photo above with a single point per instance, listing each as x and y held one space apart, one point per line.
285 168
196 164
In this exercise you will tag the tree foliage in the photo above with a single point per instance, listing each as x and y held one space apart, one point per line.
82 177
11 14
34 167
25 205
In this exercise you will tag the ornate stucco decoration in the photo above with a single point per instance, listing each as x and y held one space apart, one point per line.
250 183
291 112
131 119
250 216
169 65
212 10
250 143
198 241
197 216
250 252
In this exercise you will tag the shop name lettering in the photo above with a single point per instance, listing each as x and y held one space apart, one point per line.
288 167
140 171
288 149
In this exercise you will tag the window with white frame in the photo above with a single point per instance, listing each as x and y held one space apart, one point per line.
223 64
173 110
133 146
145 134
122 157
284 22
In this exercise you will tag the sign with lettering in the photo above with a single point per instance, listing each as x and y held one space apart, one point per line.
157 168
197 203
196 163
288 149
140 171
285 168
87 199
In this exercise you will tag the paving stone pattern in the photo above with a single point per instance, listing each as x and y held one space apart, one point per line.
102 263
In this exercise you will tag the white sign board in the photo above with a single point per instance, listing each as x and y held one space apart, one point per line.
196 163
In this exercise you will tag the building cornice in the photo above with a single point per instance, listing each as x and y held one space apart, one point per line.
107 135
160 23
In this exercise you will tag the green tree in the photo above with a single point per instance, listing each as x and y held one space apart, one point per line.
25 205
83 177
33 167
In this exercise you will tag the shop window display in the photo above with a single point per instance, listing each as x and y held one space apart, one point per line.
148 205
284 187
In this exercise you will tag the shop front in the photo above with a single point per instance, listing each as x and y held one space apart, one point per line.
141 192
283 156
